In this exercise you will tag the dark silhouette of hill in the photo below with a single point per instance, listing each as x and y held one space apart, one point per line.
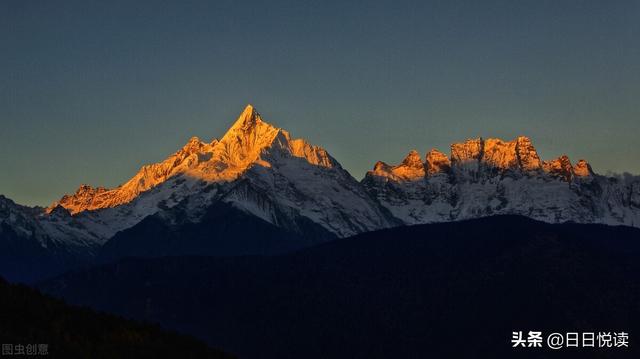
222 230
446 290
29 317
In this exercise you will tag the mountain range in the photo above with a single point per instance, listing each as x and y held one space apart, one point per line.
259 190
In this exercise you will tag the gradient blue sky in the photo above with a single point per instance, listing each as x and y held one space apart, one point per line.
90 91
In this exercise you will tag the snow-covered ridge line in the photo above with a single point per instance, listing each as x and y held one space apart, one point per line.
484 177
216 161
518 154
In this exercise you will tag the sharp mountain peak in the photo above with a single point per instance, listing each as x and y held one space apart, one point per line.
249 120
244 144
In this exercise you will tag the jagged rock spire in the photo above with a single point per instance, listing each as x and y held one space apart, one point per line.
560 167
413 160
528 158
582 169
518 154
437 162
249 119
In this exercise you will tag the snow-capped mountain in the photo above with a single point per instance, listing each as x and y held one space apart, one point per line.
484 177
255 166
33 247
257 182
58 229
258 190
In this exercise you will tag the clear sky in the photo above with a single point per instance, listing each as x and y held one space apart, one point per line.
91 90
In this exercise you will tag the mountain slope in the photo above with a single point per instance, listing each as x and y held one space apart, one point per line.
28 317
33 247
439 290
222 230
294 177
484 177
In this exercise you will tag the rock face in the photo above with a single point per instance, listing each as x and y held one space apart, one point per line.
410 169
560 167
469 151
582 169
486 177
497 154
527 155
437 162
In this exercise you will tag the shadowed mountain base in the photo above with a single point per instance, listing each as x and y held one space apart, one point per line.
442 290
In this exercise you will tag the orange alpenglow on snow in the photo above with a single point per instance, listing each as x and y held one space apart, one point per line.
252 142
437 162
240 148
492 152
411 168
